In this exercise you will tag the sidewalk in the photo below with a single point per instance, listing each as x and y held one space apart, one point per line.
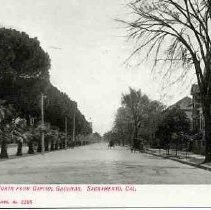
182 157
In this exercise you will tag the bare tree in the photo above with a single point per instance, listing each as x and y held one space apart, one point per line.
176 33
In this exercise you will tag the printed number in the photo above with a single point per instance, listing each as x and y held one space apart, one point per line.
26 202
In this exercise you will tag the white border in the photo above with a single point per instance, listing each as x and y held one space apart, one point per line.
144 196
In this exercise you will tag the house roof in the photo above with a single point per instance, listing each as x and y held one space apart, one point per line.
184 103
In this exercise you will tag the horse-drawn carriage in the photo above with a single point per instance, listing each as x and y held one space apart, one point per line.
137 145
110 144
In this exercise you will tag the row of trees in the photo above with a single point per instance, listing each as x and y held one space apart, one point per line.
24 76
58 106
176 35
149 121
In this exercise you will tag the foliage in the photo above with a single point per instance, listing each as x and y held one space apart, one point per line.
176 33
136 119
110 136
123 125
174 122
137 105
24 75
24 66
59 106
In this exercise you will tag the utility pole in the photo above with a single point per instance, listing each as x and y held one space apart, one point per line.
42 124
65 132
74 123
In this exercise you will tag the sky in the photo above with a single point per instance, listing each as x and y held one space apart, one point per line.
88 49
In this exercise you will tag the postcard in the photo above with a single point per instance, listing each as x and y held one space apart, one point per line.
105 104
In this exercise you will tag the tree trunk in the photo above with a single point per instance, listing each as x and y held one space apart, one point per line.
19 149
176 147
52 145
4 153
167 150
207 119
46 145
56 146
63 145
31 147
135 135
39 148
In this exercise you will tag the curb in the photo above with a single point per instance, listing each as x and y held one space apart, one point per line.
204 167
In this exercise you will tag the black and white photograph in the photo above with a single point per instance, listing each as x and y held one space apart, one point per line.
105 92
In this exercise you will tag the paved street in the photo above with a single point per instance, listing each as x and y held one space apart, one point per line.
96 164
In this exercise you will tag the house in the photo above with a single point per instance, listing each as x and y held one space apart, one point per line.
193 110
185 104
